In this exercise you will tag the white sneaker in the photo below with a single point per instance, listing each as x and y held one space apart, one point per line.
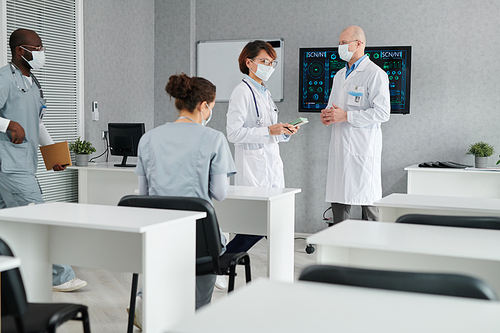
221 282
138 312
71 285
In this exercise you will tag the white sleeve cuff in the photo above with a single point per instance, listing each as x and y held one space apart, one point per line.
4 124
44 136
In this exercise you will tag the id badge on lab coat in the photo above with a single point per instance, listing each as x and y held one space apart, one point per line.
355 96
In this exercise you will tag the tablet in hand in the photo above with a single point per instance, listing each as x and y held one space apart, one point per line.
299 121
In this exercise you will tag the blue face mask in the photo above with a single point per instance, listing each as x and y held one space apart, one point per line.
205 122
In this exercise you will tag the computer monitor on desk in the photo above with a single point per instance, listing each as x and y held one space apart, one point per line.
124 140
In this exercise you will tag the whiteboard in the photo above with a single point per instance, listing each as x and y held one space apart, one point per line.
217 61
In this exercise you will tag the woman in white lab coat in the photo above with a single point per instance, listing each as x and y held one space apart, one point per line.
253 127
252 121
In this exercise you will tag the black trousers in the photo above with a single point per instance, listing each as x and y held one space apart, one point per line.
342 212
242 243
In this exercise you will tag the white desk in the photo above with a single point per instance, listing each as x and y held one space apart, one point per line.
160 244
267 306
453 182
411 247
263 211
247 210
105 184
394 205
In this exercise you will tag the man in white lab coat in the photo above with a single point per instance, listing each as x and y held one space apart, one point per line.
359 102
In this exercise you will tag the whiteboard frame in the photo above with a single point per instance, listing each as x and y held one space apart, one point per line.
277 93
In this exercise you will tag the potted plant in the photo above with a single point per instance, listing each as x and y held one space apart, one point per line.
481 151
82 150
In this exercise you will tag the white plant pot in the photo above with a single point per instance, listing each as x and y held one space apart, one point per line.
481 162
82 159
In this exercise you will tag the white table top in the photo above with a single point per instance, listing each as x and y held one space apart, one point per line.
415 167
106 166
259 193
235 192
114 218
420 201
7 262
412 238
266 306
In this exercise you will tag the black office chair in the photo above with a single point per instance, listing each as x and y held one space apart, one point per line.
208 246
480 222
427 283
18 315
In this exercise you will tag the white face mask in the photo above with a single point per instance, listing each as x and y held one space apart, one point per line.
344 52
203 121
38 59
263 72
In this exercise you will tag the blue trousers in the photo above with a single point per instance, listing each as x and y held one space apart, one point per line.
242 243
21 189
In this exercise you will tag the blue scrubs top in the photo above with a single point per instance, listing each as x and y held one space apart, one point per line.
24 108
178 159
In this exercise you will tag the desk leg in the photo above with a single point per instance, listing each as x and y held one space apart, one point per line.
169 275
30 243
281 231
83 184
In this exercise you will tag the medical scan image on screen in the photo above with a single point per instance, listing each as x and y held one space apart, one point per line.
318 66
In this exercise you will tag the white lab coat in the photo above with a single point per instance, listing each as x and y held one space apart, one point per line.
354 161
257 158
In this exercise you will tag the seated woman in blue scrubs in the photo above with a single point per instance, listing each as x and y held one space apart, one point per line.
185 158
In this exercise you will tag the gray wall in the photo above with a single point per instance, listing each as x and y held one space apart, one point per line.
453 97
172 52
119 64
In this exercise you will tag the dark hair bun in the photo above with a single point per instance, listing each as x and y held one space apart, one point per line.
179 86
189 91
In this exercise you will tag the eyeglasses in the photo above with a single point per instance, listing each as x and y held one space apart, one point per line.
266 62
35 48
344 42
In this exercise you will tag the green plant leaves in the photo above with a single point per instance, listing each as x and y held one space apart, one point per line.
480 149
81 147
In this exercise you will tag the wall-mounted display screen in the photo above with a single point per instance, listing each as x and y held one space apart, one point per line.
319 65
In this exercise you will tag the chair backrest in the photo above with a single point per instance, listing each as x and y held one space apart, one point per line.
208 241
481 222
427 283
14 301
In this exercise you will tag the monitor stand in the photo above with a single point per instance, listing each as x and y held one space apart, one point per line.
124 163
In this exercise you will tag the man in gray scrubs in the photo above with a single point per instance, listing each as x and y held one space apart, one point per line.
21 129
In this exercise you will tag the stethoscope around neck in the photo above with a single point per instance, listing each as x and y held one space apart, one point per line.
13 67
259 121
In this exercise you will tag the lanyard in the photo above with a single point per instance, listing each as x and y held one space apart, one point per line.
187 118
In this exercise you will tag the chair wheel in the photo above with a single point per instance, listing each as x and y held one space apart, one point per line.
309 249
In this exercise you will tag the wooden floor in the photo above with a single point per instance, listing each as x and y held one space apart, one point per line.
108 293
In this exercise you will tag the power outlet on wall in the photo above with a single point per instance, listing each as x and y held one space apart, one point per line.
104 135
